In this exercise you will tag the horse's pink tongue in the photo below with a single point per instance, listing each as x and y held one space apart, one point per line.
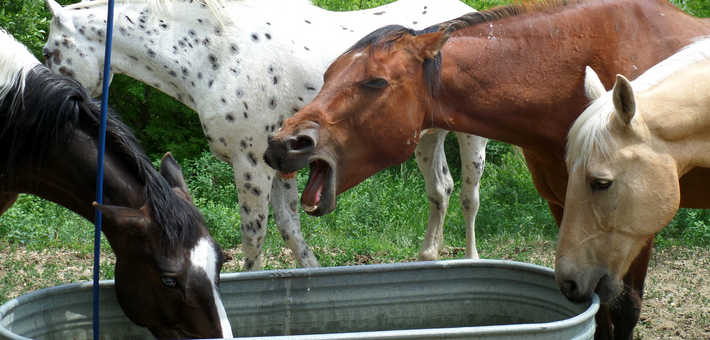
314 189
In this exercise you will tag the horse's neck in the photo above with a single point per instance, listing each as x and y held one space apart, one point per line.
677 112
70 180
508 94
192 57
190 54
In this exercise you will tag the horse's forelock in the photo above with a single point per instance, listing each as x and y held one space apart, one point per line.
384 38
590 133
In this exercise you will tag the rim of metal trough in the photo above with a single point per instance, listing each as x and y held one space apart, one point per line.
100 166
541 330
438 333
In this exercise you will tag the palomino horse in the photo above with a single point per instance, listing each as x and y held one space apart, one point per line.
167 264
625 155
245 68
513 73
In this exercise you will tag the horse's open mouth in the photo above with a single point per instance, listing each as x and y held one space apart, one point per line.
319 182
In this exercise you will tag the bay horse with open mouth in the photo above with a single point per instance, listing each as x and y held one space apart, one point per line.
167 264
513 74
625 155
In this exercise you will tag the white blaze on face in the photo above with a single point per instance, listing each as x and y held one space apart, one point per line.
204 256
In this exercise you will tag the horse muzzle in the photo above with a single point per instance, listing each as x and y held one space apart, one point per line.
578 286
290 152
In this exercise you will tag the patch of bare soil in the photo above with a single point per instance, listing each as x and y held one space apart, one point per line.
677 296
23 271
676 301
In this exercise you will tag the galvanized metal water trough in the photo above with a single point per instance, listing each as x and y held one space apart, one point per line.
457 299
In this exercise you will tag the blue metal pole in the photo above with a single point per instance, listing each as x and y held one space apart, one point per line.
100 167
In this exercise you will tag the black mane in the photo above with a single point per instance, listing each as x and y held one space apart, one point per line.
34 119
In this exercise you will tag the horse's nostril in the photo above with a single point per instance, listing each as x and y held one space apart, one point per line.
302 143
570 288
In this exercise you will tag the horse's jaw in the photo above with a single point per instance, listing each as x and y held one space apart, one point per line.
302 145
319 196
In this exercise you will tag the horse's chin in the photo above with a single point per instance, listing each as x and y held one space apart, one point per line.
319 197
96 92
99 87
608 288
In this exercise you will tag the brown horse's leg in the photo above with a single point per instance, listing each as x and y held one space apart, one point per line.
7 200
605 330
625 313
556 211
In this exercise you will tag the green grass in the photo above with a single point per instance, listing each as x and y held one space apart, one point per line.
385 216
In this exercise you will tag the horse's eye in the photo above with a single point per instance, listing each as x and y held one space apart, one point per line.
601 184
168 281
46 55
376 83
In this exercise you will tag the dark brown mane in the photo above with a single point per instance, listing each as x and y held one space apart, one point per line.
51 107
501 12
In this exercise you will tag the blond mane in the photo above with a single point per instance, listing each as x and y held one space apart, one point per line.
590 132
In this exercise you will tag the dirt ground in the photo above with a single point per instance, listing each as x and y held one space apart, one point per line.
676 301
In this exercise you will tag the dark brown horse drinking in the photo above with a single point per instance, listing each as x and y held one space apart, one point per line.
514 74
167 264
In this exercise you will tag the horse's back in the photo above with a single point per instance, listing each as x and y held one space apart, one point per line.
418 12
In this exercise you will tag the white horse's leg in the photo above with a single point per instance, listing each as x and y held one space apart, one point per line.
439 185
284 201
473 160
253 181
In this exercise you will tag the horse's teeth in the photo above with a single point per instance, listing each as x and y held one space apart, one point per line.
309 208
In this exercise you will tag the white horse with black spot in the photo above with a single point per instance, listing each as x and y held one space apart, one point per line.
246 66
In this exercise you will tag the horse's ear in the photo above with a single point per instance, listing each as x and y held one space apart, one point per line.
54 7
133 221
171 171
624 100
63 18
430 44
593 87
